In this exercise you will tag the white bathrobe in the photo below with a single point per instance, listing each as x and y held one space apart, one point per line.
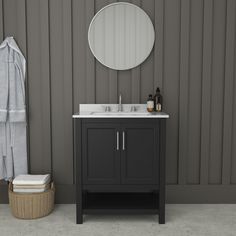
13 147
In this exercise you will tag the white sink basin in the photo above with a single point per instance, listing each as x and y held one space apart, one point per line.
120 113
98 111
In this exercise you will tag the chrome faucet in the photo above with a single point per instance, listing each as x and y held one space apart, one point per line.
120 104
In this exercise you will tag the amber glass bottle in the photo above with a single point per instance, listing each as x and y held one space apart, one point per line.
158 101
150 104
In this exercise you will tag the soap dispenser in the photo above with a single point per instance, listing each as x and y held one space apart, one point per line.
150 103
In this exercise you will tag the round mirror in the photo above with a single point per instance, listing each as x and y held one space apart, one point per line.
121 36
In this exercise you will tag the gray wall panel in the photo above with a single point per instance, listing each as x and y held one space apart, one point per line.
1 22
193 62
233 155
61 90
232 81
194 92
39 86
112 79
183 91
15 21
147 68
124 84
90 60
217 91
171 85
159 44
229 105
136 75
102 73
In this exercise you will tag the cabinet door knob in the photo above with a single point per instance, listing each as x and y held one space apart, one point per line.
123 140
117 141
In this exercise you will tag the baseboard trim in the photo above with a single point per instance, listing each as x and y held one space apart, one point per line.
190 194
184 194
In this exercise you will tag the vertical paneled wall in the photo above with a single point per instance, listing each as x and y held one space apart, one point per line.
193 62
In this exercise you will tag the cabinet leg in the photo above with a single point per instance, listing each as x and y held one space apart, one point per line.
162 171
79 215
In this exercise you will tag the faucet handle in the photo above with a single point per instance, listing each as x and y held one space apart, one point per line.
133 108
107 108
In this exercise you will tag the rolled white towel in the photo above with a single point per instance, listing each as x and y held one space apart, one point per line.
31 179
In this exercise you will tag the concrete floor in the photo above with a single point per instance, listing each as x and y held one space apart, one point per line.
182 220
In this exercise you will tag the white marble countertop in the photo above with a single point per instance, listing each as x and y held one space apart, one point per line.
99 111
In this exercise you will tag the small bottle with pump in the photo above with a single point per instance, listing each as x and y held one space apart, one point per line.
150 103
158 101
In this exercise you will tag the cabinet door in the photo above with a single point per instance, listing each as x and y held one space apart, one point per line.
101 155
139 154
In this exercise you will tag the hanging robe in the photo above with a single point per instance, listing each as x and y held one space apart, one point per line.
13 142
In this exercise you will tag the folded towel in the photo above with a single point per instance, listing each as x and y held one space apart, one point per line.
41 186
31 179
29 190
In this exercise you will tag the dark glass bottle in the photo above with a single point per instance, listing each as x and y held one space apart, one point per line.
158 100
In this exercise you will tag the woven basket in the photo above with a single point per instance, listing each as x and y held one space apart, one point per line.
31 205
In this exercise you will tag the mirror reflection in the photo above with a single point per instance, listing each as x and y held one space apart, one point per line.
121 36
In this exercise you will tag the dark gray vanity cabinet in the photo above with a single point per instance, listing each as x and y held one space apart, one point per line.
100 157
119 153
120 166
139 156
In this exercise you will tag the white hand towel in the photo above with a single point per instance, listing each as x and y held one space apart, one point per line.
31 179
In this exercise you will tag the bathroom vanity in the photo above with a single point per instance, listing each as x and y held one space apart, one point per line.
120 160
